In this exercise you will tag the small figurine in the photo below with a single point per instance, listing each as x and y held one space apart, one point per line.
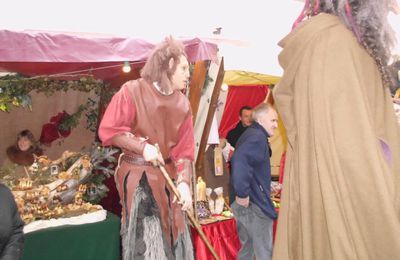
211 203
219 202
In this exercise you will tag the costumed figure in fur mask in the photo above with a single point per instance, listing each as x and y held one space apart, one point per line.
145 112
341 188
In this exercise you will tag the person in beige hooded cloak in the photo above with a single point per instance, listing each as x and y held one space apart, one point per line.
341 190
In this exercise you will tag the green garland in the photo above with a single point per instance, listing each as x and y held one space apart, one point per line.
15 92
15 89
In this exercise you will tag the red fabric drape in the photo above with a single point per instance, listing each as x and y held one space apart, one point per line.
238 96
282 167
222 236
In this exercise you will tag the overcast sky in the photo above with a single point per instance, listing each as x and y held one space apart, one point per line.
255 24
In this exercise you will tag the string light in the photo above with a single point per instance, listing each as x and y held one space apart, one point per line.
77 72
127 67
224 87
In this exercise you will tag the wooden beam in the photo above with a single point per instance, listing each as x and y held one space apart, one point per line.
196 85
269 98
210 115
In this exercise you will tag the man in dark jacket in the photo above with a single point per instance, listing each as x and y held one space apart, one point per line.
245 121
251 179
11 227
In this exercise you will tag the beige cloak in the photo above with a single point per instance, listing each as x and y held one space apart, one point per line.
341 191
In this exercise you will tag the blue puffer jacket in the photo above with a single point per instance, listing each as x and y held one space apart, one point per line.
251 169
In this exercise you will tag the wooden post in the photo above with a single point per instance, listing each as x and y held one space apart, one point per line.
196 85
210 115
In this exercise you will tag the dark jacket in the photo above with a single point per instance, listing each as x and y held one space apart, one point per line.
251 169
11 227
235 133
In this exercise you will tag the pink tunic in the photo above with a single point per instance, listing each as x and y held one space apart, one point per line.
139 109
120 115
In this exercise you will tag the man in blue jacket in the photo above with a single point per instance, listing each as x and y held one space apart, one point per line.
251 179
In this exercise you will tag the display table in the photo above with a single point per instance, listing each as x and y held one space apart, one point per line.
100 240
223 237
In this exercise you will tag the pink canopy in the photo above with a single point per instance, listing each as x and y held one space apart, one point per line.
34 53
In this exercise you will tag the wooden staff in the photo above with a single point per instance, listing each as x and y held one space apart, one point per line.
227 206
189 214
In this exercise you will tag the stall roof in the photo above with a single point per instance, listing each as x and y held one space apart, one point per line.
243 78
46 53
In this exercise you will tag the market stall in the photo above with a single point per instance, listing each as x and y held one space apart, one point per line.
244 88
63 66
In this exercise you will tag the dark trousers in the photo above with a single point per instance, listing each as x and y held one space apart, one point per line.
255 232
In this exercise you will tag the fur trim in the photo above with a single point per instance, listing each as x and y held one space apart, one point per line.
153 239
25 158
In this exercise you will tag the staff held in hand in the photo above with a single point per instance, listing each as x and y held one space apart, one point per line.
182 193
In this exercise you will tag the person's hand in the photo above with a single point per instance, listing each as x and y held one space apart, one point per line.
186 196
152 154
243 201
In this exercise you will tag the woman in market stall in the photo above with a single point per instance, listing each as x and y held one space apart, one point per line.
21 154
25 149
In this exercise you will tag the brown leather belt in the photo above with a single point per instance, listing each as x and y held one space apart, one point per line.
139 160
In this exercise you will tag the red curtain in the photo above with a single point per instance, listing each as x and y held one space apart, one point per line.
238 96
282 167
222 236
